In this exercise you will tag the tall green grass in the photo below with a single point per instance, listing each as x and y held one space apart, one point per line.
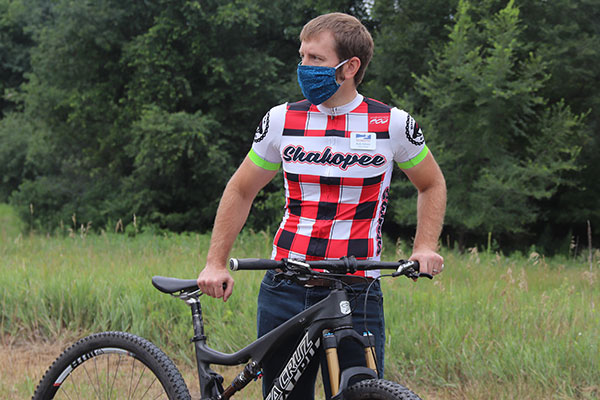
529 328
490 326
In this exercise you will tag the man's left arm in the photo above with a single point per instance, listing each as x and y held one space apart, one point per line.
431 207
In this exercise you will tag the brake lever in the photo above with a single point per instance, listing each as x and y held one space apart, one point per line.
283 276
411 272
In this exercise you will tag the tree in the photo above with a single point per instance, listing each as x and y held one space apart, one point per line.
15 134
406 34
103 71
502 146
14 52
179 169
568 38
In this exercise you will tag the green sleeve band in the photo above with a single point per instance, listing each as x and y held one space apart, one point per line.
262 163
416 160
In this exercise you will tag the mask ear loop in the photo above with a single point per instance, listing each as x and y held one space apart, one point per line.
339 65
342 63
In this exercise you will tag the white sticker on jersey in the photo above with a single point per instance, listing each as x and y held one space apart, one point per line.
363 140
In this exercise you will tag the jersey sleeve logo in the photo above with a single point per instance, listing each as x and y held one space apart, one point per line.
262 129
413 132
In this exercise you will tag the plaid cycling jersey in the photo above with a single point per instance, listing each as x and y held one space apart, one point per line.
337 166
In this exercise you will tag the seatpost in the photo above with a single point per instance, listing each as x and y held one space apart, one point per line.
210 381
197 320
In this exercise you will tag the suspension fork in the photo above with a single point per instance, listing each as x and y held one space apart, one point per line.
330 344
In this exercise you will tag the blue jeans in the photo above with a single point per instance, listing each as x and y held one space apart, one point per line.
278 301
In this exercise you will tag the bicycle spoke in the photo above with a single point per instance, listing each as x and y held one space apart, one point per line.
97 378
138 381
107 375
76 385
64 392
115 376
159 396
111 378
131 381
91 383
148 389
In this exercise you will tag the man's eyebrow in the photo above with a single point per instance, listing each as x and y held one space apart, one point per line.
310 53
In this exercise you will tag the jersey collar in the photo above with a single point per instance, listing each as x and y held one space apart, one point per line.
341 110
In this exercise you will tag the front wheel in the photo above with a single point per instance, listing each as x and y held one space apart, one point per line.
378 389
112 365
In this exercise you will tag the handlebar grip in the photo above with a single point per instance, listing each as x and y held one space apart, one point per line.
236 264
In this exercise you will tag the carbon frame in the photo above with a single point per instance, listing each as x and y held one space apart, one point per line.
331 313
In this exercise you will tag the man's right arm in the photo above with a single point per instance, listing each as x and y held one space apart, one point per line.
232 213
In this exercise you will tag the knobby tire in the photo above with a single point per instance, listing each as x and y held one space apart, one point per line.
378 389
112 365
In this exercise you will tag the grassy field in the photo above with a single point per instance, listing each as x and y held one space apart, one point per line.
490 327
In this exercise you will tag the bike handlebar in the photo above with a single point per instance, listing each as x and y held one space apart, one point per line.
344 265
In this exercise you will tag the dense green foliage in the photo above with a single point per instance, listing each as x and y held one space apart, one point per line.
503 147
113 109
490 326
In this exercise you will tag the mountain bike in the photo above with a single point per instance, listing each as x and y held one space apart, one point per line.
115 365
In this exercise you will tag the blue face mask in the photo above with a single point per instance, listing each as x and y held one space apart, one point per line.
318 83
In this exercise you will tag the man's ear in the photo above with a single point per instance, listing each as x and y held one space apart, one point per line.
351 67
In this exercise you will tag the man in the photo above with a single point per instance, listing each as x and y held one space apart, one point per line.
337 150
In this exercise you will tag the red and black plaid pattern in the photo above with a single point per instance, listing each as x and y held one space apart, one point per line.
332 211
328 217
304 119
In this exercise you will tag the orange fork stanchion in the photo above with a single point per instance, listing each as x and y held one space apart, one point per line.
370 353
333 364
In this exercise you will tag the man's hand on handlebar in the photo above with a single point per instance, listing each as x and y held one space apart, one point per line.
430 262
215 282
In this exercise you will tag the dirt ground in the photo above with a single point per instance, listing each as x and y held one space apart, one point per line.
22 364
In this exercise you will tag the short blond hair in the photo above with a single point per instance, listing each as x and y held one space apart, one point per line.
351 37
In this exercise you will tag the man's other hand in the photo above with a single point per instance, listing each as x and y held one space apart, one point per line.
215 282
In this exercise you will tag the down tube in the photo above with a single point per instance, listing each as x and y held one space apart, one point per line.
304 353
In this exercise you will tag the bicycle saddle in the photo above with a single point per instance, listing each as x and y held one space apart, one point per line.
172 285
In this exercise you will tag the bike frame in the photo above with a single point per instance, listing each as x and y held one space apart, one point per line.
325 323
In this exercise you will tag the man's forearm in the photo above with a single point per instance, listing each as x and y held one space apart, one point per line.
431 208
